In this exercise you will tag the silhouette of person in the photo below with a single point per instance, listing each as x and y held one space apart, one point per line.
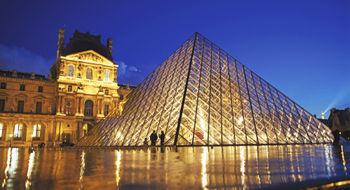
154 138
162 137
145 143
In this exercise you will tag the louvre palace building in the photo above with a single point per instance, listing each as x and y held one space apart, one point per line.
80 90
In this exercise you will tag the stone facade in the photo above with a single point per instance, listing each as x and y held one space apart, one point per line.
81 90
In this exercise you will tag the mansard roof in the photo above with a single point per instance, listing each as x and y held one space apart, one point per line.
86 41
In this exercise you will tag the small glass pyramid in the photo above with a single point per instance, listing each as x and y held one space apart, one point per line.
201 95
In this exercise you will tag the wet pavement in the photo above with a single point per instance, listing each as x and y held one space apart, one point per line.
231 167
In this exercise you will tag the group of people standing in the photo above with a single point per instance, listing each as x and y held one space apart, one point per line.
154 138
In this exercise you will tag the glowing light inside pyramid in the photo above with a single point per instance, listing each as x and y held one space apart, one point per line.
201 95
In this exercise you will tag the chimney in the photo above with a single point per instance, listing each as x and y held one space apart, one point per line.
14 73
60 43
110 45
32 75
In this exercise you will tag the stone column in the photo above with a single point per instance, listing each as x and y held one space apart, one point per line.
29 131
46 133
99 105
82 104
63 104
79 105
58 107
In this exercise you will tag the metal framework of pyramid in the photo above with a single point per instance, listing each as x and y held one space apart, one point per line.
201 95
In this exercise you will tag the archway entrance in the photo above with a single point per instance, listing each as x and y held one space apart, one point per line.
86 128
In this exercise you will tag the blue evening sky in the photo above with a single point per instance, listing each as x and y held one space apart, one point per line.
302 47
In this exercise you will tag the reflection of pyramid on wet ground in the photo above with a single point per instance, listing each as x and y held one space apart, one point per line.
201 95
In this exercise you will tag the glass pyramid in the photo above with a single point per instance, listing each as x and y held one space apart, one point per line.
201 95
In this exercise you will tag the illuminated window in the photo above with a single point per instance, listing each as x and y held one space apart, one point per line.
22 87
88 111
1 129
106 75
106 109
2 105
89 73
18 131
20 106
39 107
70 71
36 131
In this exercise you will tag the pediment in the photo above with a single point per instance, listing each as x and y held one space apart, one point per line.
90 56
3 94
21 95
40 97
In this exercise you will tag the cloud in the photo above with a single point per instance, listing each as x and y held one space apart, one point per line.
23 60
133 69
122 68
128 74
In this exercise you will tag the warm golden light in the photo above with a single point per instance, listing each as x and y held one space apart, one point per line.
242 168
240 120
82 169
204 162
117 166
343 157
8 163
216 110
30 170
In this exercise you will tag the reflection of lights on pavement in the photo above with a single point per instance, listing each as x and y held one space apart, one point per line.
241 154
204 161
117 164
343 157
335 185
30 169
11 165
8 163
327 154
82 169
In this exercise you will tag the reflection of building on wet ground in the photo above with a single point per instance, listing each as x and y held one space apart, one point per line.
81 90
228 167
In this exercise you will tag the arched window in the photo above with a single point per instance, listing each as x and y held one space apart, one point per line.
106 76
70 71
36 131
18 131
89 73
88 111
1 129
